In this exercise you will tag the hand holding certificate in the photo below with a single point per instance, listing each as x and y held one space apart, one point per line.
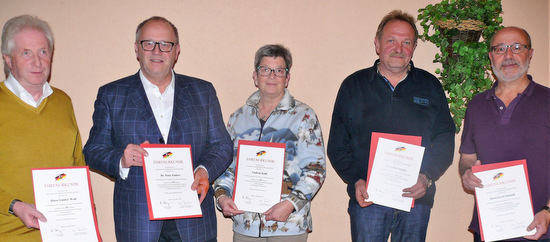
393 167
504 202
168 173
258 175
64 196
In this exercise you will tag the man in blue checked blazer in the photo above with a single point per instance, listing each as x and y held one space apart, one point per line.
157 106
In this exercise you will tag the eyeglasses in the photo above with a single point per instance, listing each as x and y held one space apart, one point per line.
515 48
149 45
266 71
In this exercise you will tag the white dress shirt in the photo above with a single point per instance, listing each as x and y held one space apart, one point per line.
162 105
14 86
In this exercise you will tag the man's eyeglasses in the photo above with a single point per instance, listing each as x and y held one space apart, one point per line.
266 71
515 48
149 45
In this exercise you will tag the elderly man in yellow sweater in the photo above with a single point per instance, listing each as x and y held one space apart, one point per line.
37 125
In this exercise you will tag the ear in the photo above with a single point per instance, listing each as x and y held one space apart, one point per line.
7 60
287 80
255 78
413 48
377 45
490 54
531 54
136 46
177 52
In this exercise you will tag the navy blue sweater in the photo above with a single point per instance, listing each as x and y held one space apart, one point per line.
366 104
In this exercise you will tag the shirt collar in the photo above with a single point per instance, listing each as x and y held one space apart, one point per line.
147 85
377 62
378 70
286 103
14 86
528 90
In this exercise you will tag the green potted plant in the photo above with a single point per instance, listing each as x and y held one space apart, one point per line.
455 27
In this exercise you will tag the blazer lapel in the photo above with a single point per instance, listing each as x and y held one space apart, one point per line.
136 94
180 128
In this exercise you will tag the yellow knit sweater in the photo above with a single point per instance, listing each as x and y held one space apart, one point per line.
30 137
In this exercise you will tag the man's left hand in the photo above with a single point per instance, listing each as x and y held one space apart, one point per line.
418 190
28 214
201 183
280 211
540 222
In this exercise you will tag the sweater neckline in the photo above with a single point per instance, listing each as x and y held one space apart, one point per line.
12 95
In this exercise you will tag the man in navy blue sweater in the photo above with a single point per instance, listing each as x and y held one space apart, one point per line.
392 96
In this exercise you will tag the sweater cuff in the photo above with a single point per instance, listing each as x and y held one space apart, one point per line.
217 194
298 200
220 192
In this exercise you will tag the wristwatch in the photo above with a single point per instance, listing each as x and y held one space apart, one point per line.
11 206
429 181
546 208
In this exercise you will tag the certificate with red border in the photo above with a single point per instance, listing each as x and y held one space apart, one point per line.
394 163
258 175
504 203
168 174
64 196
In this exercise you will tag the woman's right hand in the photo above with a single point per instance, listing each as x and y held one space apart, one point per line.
229 208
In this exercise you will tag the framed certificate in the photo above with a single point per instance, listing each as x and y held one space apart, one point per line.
258 175
504 203
64 196
168 174
394 164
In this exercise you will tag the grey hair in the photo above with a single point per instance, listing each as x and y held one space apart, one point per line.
16 25
521 29
397 15
273 51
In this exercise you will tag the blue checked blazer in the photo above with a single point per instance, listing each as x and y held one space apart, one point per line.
123 116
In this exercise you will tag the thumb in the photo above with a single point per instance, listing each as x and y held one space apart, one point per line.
40 216
203 185
268 212
477 163
531 226
195 185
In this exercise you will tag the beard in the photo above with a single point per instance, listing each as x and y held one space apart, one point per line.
508 77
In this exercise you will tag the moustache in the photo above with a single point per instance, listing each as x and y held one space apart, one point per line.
509 62
401 55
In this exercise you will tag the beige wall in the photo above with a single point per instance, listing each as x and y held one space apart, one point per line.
329 40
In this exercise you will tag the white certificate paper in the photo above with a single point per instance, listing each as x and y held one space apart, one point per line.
168 173
504 203
64 196
258 175
396 166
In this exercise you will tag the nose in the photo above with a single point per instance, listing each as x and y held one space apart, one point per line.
508 51
399 48
37 61
156 48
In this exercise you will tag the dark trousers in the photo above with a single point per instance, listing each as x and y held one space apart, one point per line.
169 232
